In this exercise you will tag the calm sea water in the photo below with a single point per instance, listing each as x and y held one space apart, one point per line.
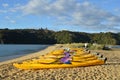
13 51
116 46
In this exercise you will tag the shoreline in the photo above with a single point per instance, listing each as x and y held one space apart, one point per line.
9 52
31 55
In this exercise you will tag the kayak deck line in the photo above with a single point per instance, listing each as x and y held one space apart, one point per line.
52 60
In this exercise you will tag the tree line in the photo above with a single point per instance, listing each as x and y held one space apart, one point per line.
45 36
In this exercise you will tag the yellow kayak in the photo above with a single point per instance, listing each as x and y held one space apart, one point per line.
52 60
74 64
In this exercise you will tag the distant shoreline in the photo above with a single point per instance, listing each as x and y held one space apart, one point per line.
31 55
11 51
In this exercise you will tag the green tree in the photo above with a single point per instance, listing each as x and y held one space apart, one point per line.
63 37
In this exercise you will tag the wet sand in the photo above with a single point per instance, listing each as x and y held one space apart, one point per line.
109 71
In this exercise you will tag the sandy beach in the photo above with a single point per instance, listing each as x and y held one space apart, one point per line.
109 71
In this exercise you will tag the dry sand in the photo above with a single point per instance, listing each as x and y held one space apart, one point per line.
108 71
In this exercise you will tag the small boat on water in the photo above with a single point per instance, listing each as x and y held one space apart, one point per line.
79 58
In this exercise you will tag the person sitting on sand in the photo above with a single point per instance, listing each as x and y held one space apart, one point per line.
66 59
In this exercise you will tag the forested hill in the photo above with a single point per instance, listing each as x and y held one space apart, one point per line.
44 36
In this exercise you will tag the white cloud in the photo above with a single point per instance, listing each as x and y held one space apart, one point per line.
7 17
13 9
3 11
13 21
16 8
117 9
10 20
5 5
72 12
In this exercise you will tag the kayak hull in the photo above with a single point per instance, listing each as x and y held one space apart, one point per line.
43 66
52 60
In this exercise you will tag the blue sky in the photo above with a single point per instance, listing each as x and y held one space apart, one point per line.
73 15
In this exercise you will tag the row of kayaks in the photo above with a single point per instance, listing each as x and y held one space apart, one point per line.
52 60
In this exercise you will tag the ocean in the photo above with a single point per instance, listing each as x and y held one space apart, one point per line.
13 51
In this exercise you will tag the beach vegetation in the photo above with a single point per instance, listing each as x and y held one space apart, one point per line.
45 36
